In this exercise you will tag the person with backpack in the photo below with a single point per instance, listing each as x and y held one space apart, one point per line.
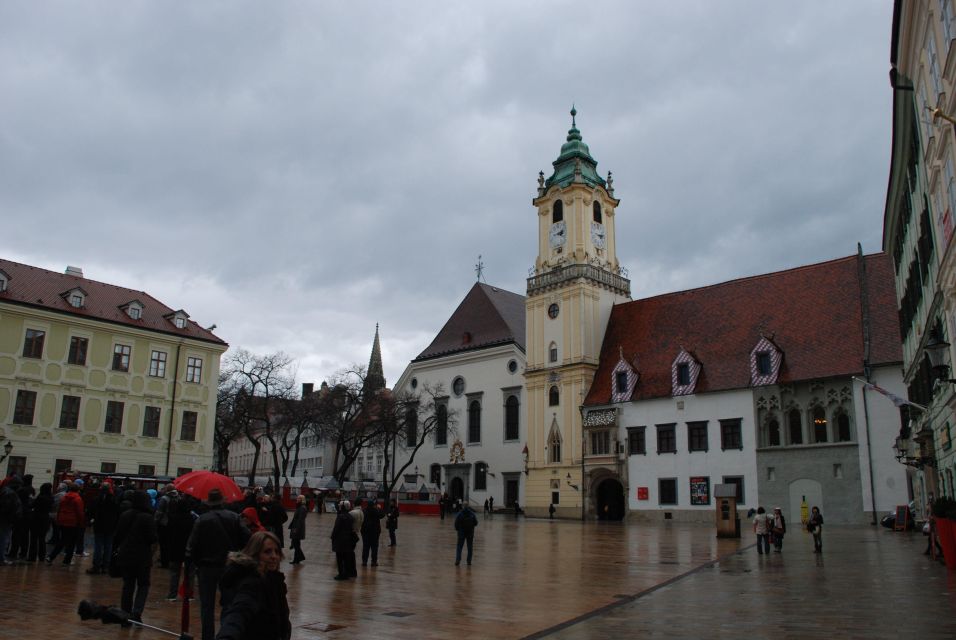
135 537
465 523
215 533
70 520
762 527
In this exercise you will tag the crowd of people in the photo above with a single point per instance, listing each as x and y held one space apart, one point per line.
772 528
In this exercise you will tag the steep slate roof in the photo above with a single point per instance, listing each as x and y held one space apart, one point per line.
43 289
491 316
813 313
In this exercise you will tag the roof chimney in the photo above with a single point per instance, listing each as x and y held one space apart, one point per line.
74 271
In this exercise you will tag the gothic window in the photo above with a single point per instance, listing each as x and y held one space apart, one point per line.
843 426
554 447
553 397
511 418
474 422
597 212
773 433
819 424
557 212
796 426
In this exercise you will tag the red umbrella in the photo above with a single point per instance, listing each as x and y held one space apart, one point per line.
198 484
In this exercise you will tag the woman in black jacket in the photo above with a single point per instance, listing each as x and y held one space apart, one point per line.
343 541
40 522
134 540
254 603
297 530
105 513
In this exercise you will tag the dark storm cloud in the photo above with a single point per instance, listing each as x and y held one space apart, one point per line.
297 172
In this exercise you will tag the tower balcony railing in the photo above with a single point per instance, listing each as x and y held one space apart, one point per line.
559 275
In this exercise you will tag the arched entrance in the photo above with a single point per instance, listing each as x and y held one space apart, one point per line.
610 500
457 489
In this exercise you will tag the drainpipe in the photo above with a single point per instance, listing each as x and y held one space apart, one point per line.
172 407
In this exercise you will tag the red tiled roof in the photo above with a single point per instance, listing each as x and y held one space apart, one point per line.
813 313
487 316
44 289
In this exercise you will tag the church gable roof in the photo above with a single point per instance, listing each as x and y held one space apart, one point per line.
487 316
814 314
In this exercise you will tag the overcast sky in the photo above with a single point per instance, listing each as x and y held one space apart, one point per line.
297 172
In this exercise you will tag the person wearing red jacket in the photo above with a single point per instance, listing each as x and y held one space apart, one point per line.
71 520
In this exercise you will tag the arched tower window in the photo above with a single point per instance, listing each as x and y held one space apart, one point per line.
511 418
411 427
819 416
773 433
474 422
597 212
843 426
441 424
557 212
481 476
554 397
796 426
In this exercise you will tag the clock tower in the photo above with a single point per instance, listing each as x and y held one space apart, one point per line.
575 282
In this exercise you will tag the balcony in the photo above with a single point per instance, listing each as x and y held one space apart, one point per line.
560 275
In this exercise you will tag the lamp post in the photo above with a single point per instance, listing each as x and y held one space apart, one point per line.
936 349
7 448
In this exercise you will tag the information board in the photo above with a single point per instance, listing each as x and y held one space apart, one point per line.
700 490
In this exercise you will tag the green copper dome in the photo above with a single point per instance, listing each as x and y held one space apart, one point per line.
574 153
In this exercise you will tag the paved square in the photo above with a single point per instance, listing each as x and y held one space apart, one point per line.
539 578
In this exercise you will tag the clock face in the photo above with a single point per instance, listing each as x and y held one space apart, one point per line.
553 310
558 235
598 235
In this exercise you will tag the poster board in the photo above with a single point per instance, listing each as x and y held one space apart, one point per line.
700 490
902 518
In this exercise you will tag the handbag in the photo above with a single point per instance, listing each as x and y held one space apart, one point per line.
926 528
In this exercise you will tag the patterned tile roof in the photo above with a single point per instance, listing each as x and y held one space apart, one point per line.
487 316
814 314
43 289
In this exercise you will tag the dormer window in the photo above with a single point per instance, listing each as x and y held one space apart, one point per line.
4 279
178 318
76 298
765 361
684 373
180 322
624 378
133 309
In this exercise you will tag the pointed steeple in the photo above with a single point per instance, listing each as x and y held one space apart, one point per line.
575 161
375 377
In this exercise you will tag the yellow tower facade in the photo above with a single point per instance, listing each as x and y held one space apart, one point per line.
577 280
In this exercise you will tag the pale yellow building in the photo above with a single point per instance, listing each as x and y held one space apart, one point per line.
576 282
100 378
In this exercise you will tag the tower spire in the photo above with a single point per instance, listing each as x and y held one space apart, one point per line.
375 376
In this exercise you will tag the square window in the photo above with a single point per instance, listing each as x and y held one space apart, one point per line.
135 312
188 431
666 439
667 491
76 300
697 436
739 481
77 353
151 422
157 364
33 343
70 412
121 357
60 465
114 417
16 465
636 443
180 322
24 407
107 467
555 497
181 471
730 434
600 443
194 370
147 470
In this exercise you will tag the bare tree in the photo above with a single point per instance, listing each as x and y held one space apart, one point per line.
228 427
263 386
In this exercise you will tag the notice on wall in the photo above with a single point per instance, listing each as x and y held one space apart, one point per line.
642 493
699 490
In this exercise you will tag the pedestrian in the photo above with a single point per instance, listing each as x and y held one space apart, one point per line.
104 513
80 548
297 529
815 526
179 526
342 541
443 505
358 518
54 528
551 511
761 526
465 523
40 522
21 530
135 537
70 520
277 518
491 505
162 521
11 510
517 509
215 533
486 507
391 522
250 517
371 531
255 604
778 529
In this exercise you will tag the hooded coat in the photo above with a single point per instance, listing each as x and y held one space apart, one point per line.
136 534
254 606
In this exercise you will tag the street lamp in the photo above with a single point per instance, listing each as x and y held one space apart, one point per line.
936 349
7 448
902 450
571 484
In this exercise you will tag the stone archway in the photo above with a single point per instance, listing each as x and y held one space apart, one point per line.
609 498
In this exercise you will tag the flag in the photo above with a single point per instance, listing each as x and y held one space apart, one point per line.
895 399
